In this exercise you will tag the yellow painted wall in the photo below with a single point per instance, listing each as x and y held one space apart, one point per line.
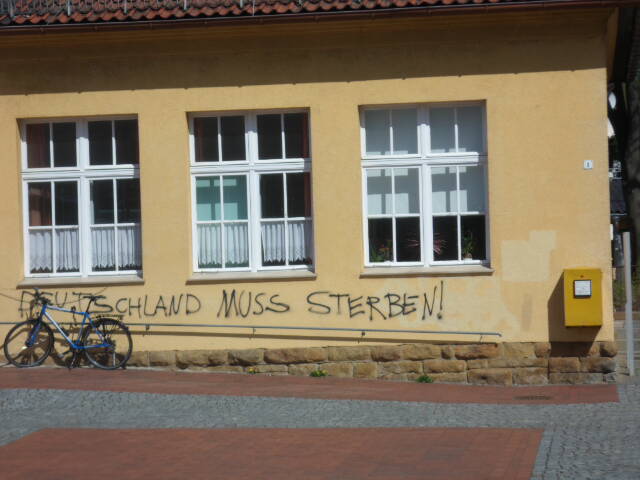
543 78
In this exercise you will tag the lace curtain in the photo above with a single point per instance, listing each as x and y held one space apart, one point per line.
273 241
103 243
41 250
210 244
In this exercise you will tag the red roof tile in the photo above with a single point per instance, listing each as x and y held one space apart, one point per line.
52 12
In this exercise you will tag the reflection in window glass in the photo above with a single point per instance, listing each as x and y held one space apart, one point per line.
38 138
234 192
442 128
128 194
102 202
405 131
407 190
232 133
471 189
298 194
126 133
205 133
470 129
272 196
444 197
100 143
208 198
39 204
377 127
378 191
64 144
269 137
408 239
66 203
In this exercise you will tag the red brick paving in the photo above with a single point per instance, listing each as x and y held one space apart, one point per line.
148 381
291 454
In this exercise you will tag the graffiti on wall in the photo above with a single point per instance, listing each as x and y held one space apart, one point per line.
241 303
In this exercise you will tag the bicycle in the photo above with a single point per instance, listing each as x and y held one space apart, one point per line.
105 342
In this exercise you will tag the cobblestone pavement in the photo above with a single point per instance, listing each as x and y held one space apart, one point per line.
587 441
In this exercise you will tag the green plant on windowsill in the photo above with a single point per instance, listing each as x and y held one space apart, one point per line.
382 253
468 246
319 373
424 379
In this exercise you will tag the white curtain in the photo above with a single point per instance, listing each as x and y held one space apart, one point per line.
40 251
67 255
210 244
103 247
129 247
273 241
300 240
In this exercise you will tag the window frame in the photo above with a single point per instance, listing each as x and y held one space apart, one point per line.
82 173
252 167
425 160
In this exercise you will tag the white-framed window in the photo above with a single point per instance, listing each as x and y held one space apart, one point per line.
424 173
251 184
81 197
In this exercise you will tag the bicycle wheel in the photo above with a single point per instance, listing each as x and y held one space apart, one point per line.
28 343
107 344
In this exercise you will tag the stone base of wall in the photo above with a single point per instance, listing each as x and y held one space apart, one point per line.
483 363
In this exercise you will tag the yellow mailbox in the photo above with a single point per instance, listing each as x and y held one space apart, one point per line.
582 297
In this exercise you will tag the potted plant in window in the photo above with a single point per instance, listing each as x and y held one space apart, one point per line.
468 246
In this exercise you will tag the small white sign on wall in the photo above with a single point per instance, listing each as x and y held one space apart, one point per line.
582 288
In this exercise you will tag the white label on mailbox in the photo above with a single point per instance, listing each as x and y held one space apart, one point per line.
582 288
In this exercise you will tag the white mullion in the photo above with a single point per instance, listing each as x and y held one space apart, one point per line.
393 212
391 145
458 217
84 219
26 227
222 227
54 262
365 211
254 221
428 214
420 214
114 155
51 160
195 240
286 214
218 120
282 139
455 127
116 250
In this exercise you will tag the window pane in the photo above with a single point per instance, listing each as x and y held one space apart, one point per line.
470 129
205 135
269 137
298 194
64 144
129 248
208 199
232 138
67 253
445 238
378 191
103 245
66 203
441 125
407 190
38 154
296 135
100 145
126 142
210 246
444 198
376 124
380 240
40 251
272 196
128 200
408 239
235 197
405 131
102 202
273 244
236 244
39 204
471 189
473 237
300 242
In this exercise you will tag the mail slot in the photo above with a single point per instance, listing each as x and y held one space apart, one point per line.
582 297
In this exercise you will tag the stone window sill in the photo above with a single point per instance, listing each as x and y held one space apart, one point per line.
448 271
81 281
274 276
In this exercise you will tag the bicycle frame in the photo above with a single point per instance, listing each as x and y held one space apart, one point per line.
87 322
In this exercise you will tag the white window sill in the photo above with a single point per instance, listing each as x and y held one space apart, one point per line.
271 275
81 281
444 271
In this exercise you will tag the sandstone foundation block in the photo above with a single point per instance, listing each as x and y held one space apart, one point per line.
597 365
338 369
564 365
162 359
444 366
386 353
518 350
270 369
247 357
530 376
490 376
608 349
484 350
402 366
302 369
421 351
576 378
542 349
348 354
365 370
449 377
295 355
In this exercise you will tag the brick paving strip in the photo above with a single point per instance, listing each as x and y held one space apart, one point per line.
312 454
147 381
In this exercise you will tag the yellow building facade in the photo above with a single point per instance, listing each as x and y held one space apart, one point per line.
467 134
